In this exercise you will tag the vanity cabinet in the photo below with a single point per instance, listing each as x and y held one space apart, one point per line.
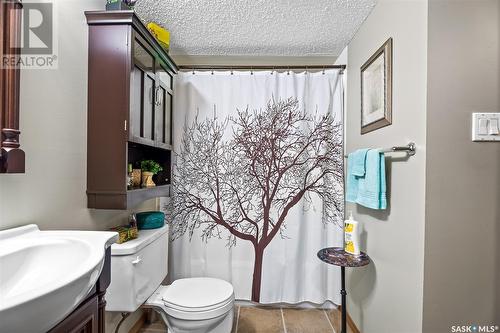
130 96
11 155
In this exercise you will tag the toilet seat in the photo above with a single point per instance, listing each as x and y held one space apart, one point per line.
194 298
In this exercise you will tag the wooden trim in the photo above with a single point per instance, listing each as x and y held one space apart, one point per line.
351 325
139 323
12 158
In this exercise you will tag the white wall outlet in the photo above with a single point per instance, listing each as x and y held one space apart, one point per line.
486 127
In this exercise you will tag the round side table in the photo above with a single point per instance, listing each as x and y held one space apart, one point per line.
338 257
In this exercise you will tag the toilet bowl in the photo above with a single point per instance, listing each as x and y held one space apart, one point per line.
196 305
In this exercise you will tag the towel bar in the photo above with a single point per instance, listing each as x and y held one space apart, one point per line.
410 149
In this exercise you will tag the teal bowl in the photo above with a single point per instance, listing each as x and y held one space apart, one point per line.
150 220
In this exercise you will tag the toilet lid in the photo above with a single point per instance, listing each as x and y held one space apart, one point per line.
198 293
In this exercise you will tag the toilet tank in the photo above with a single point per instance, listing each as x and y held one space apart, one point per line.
137 269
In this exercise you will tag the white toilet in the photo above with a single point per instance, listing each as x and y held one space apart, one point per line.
196 305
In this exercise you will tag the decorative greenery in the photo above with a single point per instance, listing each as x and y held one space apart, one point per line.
151 166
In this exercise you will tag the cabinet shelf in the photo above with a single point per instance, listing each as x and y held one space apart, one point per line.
138 195
164 147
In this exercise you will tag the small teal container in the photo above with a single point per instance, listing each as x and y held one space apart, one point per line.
150 220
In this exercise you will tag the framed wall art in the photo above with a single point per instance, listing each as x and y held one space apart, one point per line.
376 89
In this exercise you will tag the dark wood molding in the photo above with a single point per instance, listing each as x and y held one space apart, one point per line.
101 286
12 158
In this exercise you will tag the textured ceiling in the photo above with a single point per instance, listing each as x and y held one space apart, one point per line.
257 27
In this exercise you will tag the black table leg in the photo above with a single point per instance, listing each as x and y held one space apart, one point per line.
343 292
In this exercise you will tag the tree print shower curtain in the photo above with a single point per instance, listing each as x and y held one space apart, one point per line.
257 184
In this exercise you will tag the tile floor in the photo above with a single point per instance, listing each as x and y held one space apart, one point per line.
275 320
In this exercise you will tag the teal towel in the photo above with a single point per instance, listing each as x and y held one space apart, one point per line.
358 162
355 169
369 189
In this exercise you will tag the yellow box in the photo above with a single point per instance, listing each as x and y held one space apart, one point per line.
125 233
161 34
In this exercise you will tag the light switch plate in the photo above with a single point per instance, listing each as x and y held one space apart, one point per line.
481 119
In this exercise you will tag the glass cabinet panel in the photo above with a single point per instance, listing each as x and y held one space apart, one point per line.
160 117
136 84
164 118
168 118
164 109
142 94
148 108
165 76
142 57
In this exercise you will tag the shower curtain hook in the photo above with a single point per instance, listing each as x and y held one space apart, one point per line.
212 71
272 71
193 71
288 71
251 70
306 70
323 70
231 70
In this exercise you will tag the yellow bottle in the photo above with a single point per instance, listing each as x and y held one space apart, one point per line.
351 236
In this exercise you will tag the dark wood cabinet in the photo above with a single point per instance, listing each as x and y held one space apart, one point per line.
130 95
88 317
83 320
11 155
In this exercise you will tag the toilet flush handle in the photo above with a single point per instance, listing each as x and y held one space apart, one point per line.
136 260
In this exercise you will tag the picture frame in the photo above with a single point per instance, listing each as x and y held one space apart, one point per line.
376 89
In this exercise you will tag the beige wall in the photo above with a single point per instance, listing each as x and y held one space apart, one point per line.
54 132
462 251
386 296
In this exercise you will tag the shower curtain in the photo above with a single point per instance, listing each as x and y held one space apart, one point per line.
257 183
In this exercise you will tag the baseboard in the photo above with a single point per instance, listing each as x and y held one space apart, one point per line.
139 323
350 323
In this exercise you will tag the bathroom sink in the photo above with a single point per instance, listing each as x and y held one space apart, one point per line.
44 275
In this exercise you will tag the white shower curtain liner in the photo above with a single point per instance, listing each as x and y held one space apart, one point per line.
291 271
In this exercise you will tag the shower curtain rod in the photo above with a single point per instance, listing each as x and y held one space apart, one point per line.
258 67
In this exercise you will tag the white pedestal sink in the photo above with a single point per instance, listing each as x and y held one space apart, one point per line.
44 275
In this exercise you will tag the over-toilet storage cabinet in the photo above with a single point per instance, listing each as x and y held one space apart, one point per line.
130 96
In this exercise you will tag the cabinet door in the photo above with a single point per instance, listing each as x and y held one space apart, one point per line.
164 95
142 94
84 319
